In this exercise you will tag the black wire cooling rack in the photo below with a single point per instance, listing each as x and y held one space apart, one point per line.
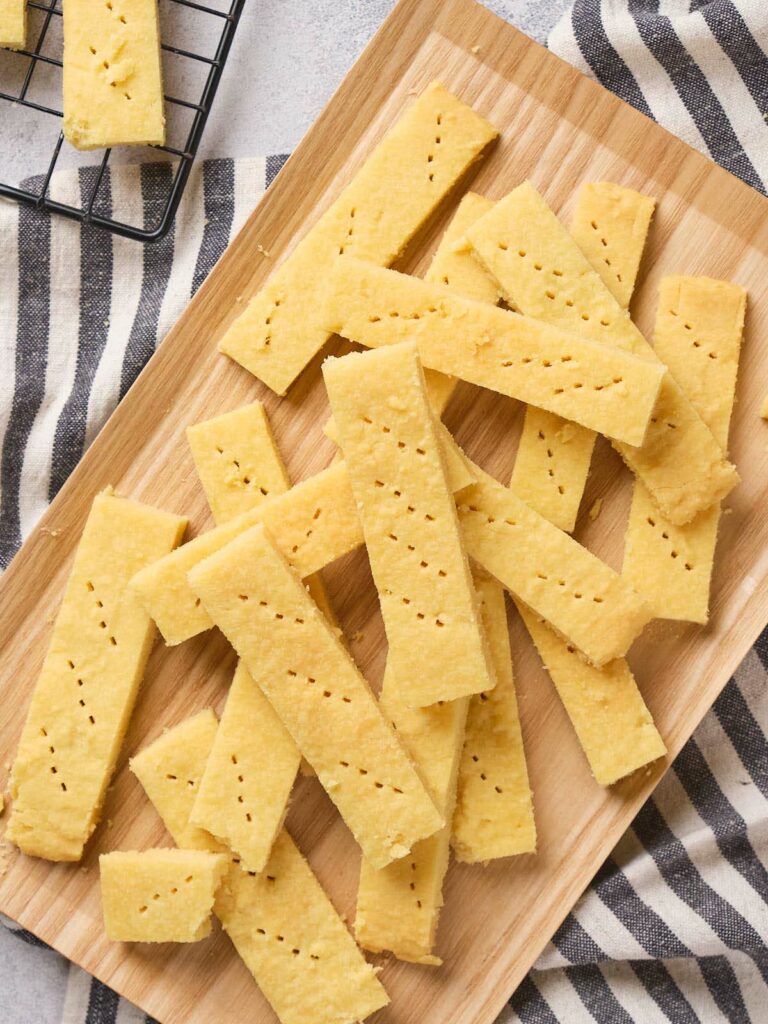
35 192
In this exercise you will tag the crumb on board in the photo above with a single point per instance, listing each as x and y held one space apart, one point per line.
264 252
49 532
594 512
475 49
357 636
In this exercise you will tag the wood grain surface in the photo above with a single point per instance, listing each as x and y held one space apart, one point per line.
560 130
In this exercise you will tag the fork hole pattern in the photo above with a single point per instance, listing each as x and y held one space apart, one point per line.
412 884
270 611
52 751
557 581
308 533
552 295
664 534
189 783
266 341
577 595
438 141
80 683
364 772
695 342
550 462
100 612
411 511
350 231
312 681
241 782
104 65
173 891
489 519
483 775
547 364
295 950
245 479
604 243
396 314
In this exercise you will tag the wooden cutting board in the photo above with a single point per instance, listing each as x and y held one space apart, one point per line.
559 129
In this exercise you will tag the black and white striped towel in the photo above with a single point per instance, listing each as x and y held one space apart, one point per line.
674 927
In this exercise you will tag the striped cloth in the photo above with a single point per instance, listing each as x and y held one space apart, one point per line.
674 927
81 312
696 66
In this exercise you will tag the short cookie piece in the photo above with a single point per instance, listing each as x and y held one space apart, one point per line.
160 895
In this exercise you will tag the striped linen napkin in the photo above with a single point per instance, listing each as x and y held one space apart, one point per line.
84 311
674 927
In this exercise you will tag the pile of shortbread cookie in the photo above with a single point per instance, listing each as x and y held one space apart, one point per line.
437 761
